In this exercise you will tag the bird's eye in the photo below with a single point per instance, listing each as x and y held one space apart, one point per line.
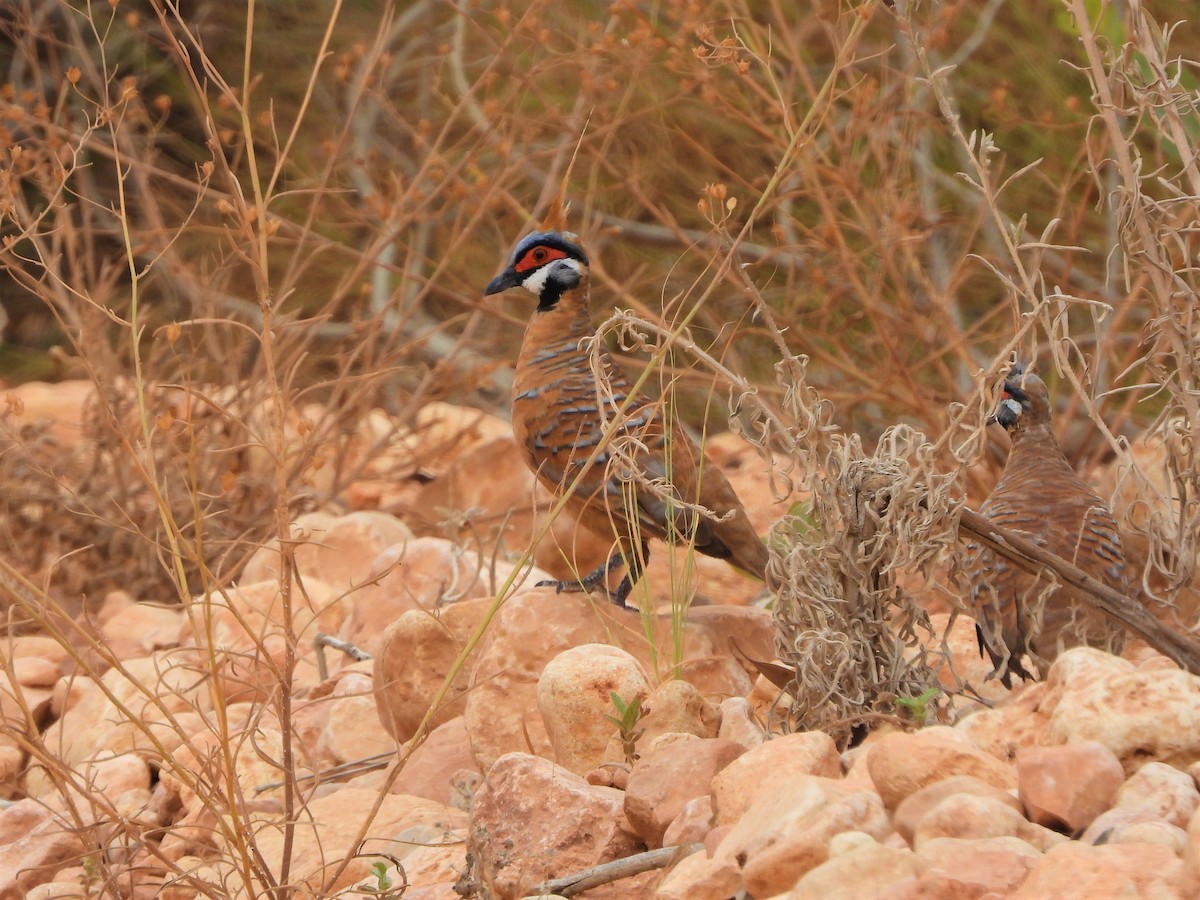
540 254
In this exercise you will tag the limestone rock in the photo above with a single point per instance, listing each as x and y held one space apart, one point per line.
692 825
533 820
326 827
425 573
530 629
574 696
912 809
699 877
901 763
335 550
737 723
132 629
867 870
90 725
1162 790
1075 871
247 629
786 831
33 845
416 653
1152 715
970 816
1190 878
353 730
771 767
1066 787
674 707
961 869
437 764
664 780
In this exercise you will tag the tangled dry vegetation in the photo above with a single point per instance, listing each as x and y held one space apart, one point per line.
261 237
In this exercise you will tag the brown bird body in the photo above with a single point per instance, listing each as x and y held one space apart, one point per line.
1040 496
558 422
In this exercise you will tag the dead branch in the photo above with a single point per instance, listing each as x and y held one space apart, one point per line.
1130 612
569 885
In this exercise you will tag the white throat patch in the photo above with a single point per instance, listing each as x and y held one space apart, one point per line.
535 282
1012 406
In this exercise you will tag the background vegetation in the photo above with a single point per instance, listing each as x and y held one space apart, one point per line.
250 225
301 202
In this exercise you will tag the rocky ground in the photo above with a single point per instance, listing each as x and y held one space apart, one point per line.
146 759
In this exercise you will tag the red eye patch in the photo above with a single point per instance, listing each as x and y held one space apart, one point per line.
537 257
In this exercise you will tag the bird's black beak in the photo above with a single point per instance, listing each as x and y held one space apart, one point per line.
502 282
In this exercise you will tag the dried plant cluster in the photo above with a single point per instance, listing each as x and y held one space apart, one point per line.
252 227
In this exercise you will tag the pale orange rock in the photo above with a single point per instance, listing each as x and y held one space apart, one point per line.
353 730
738 724
1190 877
574 696
786 832
973 816
767 700
537 624
431 871
699 877
530 629
1075 871
251 632
441 432
1066 787
425 573
1152 832
36 646
774 765
667 778
965 869
12 761
415 656
34 843
692 825
533 820
326 828
1162 790
867 870
433 766
912 809
255 761
60 407
91 726
139 629
901 763
58 890
1019 721
335 550
677 707
1147 715
739 633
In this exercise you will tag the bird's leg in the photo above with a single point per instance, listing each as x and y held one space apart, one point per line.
598 577
637 565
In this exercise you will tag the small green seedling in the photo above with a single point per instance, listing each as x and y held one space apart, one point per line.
627 717
920 707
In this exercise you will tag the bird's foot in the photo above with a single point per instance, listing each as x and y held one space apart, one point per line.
593 583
